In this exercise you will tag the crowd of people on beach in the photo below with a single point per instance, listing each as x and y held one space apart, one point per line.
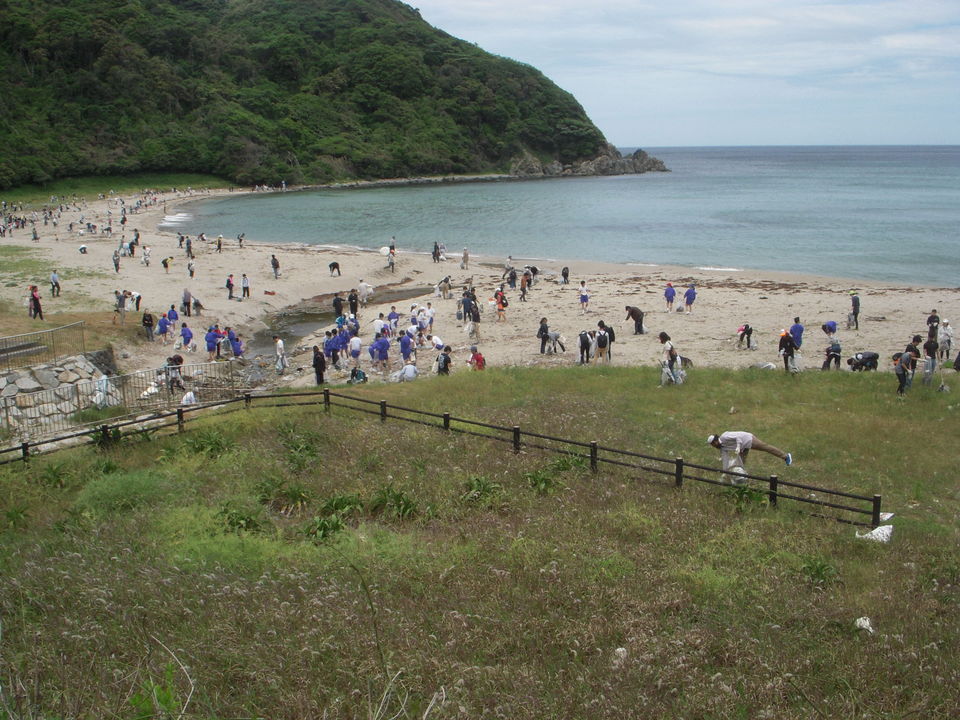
395 340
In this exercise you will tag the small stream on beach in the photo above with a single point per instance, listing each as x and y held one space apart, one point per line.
297 322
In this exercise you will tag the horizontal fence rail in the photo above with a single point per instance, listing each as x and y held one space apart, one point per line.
43 346
773 488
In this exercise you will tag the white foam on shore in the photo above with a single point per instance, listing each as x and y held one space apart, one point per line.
177 219
718 269
639 264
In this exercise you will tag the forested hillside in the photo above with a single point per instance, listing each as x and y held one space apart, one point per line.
264 90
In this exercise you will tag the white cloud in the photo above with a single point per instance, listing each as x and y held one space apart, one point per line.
776 57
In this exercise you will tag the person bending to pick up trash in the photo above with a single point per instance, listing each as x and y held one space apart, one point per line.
734 445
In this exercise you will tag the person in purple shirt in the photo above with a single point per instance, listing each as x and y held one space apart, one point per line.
173 317
383 353
689 297
796 332
212 338
163 327
406 346
186 334
669 294
393 317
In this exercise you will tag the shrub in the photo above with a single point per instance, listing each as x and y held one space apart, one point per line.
342 505
236 520
321 528
480 489
393 502
120 492
211 443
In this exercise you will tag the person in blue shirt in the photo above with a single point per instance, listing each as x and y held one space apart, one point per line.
689 297
186 334
163 327
236 345
796 332
173 317
212 338
406 346
393 317
669 294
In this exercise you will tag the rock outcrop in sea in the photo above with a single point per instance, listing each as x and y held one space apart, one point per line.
608 162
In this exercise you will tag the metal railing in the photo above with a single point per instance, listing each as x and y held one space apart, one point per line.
676 470
35 415
43 346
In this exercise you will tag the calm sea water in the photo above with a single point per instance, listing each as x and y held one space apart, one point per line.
876 213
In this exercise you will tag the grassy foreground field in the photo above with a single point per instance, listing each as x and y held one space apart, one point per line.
287 563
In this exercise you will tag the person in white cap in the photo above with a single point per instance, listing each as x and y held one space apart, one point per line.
734 445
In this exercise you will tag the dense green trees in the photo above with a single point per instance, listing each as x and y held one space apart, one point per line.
264 90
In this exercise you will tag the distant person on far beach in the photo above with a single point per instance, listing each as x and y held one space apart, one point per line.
855 309
465 260
669 294
565 275
275 265
689 297
334 268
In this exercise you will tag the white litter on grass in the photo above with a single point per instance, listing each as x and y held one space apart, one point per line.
619 658
879 534
885 516
863 623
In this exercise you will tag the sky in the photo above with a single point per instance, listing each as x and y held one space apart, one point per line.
735 72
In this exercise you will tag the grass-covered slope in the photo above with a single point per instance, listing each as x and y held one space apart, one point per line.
289 563
264 90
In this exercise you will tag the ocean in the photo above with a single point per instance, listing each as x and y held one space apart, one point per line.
874 213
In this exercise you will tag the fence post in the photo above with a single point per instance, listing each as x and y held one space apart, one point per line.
772 493
516 438
25 451
76 395
446 421
179 420
383 411
326 399
246 401
6 414
594 453
875 520
678 471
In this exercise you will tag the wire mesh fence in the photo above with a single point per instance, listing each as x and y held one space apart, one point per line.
43 346
31 416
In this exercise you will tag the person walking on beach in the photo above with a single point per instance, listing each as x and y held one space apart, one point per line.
147 322
163 327
36 311
543 332
281 355
54 284
603 343
244 286
787 349
353 300
735 445
319 364
275 265
337 305
669 359
669 294
565 275
635 314
187 300
689 297
854 310
229 286
586 345
116 261
191 268
120 307
584 296
945 340
933 324
796 332
219 243
465 260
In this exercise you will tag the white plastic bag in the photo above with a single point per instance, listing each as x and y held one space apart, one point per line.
878 534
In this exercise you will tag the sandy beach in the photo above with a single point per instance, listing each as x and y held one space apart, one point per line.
768 301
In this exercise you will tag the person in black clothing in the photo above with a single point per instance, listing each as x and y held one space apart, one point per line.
787 350
354 301
635 314
334 267
148 324
586 339
611 338
565 275
930 348
544 334
444 362
912 353
855 309
864 361
746 333
319 364
337 305
933 325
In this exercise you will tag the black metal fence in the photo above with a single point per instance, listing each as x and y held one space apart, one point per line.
850 508
43 346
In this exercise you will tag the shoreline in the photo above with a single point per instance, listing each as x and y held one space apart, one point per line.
768 300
